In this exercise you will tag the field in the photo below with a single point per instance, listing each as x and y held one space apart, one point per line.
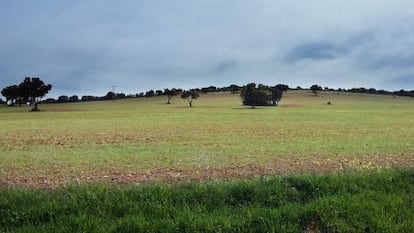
145 140
140 165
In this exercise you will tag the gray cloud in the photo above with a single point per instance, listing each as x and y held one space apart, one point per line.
85 47
315 51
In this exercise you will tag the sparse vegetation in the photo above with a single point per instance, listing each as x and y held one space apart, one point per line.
190 96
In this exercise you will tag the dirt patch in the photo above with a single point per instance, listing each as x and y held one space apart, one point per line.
65 110
289 105
280 166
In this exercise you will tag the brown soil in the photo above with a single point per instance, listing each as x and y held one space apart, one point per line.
289 105
280 166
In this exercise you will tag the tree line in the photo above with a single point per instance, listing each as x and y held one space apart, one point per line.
32 90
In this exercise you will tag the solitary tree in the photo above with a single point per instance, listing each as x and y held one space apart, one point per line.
260 96
33 89
170 94
315 89
190 96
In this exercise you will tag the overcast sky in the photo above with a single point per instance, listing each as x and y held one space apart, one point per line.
87 46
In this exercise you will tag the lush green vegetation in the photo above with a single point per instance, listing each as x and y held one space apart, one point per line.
380 201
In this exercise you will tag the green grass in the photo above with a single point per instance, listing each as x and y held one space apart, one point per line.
73 141
358 202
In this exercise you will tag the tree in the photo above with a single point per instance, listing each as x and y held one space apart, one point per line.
260 95
150 93
12 93
315 89
74 98
190 96
282 87
33 89
63 99
109 96
158 92
234 88
170 94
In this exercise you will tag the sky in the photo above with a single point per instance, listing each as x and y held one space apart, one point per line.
85 47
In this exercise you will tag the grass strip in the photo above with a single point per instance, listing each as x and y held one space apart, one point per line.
373 201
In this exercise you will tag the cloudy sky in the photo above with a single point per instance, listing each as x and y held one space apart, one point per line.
87 46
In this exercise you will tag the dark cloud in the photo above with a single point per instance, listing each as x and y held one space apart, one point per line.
85 47
315 51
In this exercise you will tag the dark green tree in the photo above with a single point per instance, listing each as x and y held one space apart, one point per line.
150 93
315 89
190 96
12 94
33 89
170 94
282 87
234 88
260 95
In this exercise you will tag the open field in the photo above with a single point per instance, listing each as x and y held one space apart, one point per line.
144 140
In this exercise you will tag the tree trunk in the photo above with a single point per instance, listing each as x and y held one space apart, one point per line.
35 107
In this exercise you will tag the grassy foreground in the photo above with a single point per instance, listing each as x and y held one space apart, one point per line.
376 201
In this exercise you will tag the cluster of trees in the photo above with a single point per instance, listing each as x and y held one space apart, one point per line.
31 90
316 89
380 92
261 95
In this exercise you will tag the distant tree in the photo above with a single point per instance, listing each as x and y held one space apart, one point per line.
234 88
158 92
74 98
63 99
150 93
249 95
372 91
109 96
170 94
190 96
282 87
33 89
260 95
12 93
121 96
50 101
277 95
315 89
205 90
